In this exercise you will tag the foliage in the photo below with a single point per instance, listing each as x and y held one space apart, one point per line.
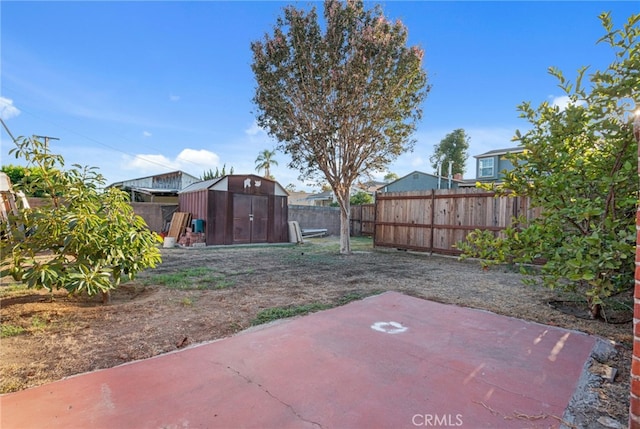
343 96
275 313
7 330
291 187
454 147
360 197
93 239
390 177
22 176
579 167
264 161
209 174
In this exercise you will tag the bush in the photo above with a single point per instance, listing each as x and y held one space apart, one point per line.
92 238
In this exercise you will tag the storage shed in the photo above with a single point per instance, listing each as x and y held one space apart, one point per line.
238 209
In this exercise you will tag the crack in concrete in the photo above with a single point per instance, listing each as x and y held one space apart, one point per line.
265 390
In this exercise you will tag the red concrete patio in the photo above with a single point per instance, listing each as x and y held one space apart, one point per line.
389 361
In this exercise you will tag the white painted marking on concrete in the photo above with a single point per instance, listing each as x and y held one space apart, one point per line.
389 327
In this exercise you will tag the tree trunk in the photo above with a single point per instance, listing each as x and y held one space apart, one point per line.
106 297
345 239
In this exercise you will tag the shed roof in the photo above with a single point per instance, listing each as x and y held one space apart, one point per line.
221 184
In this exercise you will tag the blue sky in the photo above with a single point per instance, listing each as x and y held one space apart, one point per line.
139 88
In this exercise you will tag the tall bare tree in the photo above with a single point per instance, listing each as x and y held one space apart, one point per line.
342 102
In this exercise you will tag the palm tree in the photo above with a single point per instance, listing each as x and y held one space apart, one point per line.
264 161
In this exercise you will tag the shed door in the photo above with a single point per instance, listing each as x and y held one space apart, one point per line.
250 218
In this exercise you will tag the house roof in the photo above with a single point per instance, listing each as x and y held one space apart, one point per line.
418 172
198 186
327 195
154 191
497 152
130 183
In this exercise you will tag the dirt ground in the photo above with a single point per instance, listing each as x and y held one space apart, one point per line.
201 294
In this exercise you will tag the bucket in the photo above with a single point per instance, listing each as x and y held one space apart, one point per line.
198 225
169 242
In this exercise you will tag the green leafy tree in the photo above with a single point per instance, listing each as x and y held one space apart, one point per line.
93 239
264 161
16 173
361 197
21 176
342 97
453 148
291 187
579 166
210 174
390 177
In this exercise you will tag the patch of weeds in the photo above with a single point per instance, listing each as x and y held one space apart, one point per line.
37 323
356 296
275 313
325 251
13 289
191 278
187 301
10 386
7 330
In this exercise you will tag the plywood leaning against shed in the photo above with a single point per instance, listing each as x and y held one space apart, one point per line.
179 222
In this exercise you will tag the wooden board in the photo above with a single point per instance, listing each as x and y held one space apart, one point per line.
179 222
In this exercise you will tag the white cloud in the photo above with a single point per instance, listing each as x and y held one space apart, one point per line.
202 158
563 101
174 98
7 109
146 134
192 161
254 130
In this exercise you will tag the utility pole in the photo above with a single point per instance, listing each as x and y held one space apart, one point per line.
7 130
46 140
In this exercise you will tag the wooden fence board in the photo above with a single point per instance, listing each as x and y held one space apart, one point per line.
434 221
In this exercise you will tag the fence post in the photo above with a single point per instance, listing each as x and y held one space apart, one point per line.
634 408
433 218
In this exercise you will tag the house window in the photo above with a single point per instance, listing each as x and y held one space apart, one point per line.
485 167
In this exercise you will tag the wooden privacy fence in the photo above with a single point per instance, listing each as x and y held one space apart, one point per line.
362 219
434 221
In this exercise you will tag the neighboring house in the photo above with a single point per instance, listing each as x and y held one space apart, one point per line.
160 188
419 181
370 187
490 166
300 198
323 199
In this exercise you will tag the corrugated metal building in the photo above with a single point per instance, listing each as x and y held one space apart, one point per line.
238 209
157 188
